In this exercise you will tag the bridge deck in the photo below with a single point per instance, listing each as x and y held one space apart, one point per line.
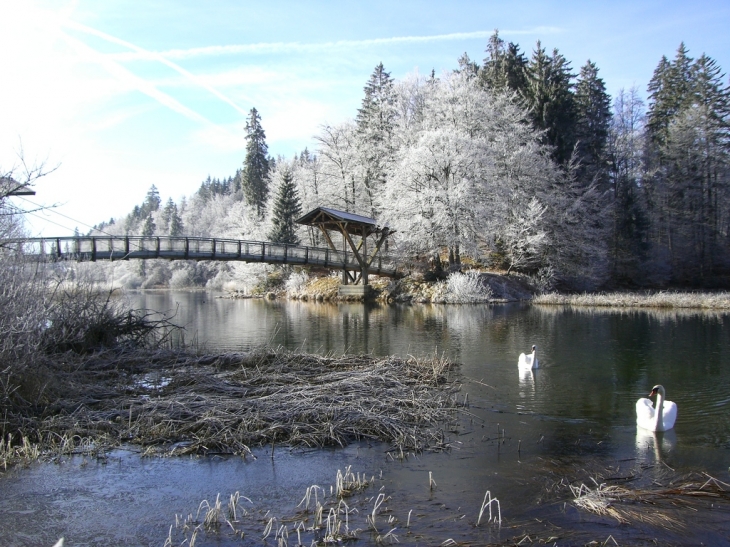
91 249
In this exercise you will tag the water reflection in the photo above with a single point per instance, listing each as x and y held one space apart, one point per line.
578 406
654 446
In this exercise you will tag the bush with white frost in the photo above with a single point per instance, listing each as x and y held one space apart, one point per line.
296 283
463 288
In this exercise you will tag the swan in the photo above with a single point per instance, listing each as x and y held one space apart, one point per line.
662 417
527 362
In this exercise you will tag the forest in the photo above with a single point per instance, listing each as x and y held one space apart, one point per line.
515 164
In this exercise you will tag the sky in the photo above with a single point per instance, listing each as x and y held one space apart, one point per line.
115 96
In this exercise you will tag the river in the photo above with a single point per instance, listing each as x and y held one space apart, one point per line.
524 437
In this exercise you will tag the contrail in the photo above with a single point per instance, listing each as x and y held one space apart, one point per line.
140 52
145 87
298 47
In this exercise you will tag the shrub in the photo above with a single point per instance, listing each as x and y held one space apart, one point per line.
464 288
296 283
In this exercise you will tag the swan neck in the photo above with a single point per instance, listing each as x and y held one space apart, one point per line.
659 409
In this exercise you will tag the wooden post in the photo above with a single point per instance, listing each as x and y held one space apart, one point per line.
364 266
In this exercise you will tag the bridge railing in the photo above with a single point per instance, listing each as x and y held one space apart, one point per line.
93 248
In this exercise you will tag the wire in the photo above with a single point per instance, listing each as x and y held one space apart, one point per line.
61 214
46 220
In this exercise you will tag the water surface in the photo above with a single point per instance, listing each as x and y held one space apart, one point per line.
524 434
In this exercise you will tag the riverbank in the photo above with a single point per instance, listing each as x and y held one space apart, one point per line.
485 287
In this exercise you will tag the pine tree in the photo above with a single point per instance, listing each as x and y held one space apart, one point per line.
549 96
593 117
255 176
166 214
504 68
287 208
149 227
176 223
467 66
375 125
629 244
151 202
689 161
669 93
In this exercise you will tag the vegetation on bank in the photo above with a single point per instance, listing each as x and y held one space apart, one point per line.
477 286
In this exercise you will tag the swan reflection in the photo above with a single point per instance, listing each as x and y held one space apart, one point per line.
528 381
657 443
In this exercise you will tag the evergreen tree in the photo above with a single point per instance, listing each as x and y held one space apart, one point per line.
669 93
549 96
166 214
593 117
467 66
629 245
504 68
255 175
151 202
176 223
375 123
687 157
287 208
149 227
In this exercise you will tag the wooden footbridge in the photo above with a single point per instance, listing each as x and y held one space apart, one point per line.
352 256
95 248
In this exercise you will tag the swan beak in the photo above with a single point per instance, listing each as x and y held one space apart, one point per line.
653 392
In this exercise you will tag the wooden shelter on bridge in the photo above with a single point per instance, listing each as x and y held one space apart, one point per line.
355 230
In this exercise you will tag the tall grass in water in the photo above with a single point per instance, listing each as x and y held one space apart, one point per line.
43 317
662 299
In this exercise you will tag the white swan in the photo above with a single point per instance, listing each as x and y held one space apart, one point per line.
662 417
527 362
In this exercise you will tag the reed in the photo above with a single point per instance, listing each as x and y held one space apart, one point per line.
228 403
661 299
487 504
657 505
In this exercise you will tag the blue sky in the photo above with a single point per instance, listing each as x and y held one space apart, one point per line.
120 95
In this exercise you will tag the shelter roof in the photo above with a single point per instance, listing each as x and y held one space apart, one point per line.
15 188
332 219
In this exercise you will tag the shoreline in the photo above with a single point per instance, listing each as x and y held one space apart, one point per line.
497 289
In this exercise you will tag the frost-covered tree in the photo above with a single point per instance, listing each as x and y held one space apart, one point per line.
524 238
337 150
474 157
375 123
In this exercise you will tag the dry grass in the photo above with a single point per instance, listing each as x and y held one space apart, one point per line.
658 505
663 299
173 402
